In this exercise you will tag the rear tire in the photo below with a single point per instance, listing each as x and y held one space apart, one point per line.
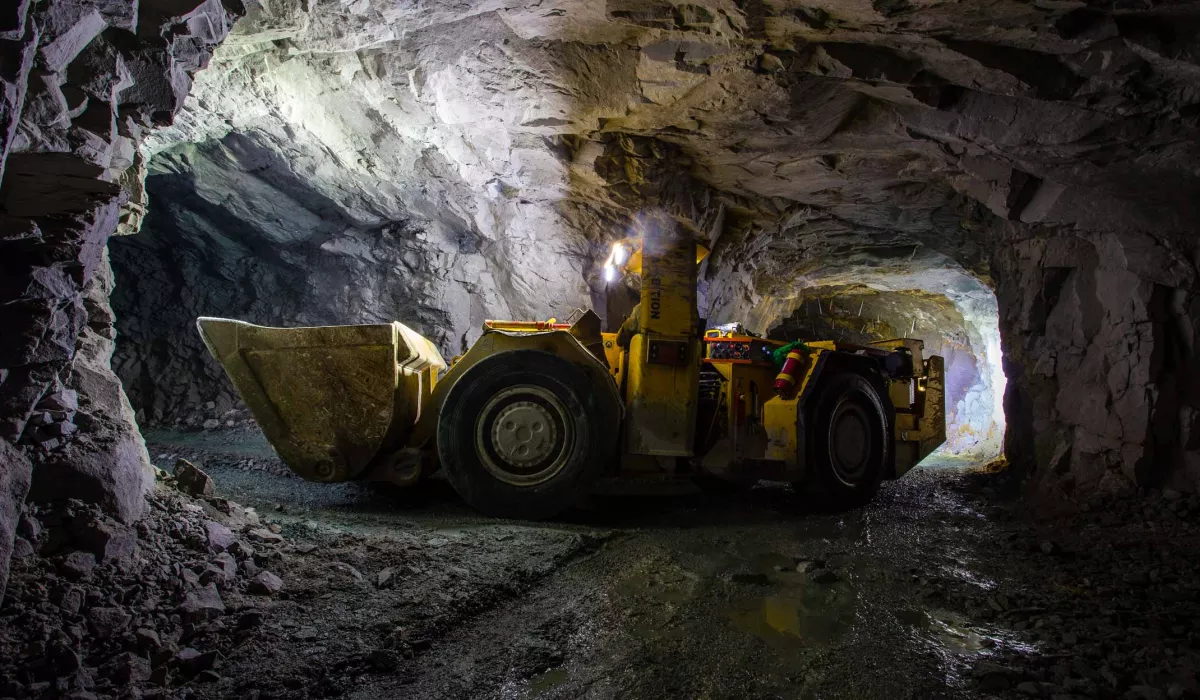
523 434
849 441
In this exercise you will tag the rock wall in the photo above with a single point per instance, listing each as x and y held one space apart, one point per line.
1099 342
81 86
313 262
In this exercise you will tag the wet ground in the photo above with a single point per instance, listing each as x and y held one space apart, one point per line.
658 596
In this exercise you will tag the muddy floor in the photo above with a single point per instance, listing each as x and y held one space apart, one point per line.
941 588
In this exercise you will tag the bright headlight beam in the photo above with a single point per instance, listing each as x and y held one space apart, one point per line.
619 254
610 273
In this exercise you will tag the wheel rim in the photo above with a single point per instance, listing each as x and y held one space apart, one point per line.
851 442
524 435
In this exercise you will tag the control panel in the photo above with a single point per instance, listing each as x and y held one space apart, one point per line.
740 349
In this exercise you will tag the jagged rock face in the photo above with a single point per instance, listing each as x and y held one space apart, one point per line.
211 252
1042 151
81 85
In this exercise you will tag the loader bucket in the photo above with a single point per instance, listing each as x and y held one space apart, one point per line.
330 399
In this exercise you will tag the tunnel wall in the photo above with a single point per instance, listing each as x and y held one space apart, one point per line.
202 251
82 84
1098 333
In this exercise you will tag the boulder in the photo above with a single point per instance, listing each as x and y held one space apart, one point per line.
192 480
108 468
203 603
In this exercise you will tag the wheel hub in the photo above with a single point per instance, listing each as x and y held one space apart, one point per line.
524 433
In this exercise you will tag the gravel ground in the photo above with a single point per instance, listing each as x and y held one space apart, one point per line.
941 588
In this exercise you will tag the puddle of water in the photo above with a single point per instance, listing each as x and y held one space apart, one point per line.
800 615
547 680
956 635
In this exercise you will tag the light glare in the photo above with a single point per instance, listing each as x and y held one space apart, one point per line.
619 254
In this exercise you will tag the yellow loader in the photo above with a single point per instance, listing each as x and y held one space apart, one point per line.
535 413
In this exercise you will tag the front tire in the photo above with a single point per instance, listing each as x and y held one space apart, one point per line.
523 435
849 440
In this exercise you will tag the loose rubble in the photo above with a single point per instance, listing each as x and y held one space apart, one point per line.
192 599
1107 597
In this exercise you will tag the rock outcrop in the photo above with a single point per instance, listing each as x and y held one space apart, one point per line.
82 85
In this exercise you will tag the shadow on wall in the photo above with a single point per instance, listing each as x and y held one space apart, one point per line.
236 234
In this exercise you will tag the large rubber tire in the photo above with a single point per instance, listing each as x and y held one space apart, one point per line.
523 434
849 441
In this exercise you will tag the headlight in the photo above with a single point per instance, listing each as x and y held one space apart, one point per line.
619 254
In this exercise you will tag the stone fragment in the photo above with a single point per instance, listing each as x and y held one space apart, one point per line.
29 527
192 661
192 480
72 601
212 424
126 669
226 564
107 622
22 548
147 638
384 578
770 63
63 400
77 565
265 583
105 538
220 538
241 550
264 535
203 603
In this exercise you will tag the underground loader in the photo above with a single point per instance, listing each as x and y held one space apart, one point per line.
535 413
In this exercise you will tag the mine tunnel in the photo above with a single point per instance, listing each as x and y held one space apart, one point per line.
622 349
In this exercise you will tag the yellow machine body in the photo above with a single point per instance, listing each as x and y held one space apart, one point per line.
347 402
663 362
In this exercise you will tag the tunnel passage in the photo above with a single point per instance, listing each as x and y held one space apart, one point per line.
372 160
327 175
959 323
